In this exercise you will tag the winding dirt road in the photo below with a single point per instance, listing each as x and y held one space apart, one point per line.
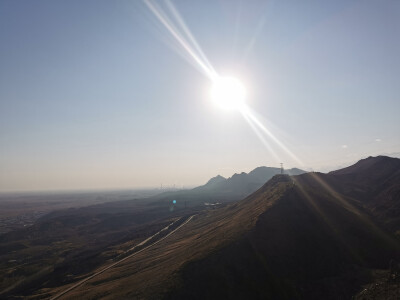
122 259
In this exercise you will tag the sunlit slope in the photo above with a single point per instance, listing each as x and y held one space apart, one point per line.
152 273
296 237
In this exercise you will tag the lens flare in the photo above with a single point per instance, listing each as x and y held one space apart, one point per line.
229 93
226 92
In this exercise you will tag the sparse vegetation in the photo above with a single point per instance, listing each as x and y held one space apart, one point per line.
310 236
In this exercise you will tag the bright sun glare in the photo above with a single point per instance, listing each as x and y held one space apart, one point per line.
228 93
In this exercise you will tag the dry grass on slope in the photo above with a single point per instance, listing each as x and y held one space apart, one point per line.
151 273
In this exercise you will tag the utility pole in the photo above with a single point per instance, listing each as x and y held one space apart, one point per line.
281 168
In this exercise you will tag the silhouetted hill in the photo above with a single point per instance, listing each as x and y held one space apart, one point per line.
303 237
214 181
219 189
313 243
375 181
241 185
371 167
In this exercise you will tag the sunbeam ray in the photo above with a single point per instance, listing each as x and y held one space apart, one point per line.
272 136
181 33
262 139
162 17
186 30
321 214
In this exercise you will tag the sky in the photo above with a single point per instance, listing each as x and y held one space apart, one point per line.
100 95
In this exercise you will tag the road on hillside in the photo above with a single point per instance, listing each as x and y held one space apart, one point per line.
122 259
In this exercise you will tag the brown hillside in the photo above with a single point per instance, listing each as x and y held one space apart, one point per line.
296 237
151 272
375 182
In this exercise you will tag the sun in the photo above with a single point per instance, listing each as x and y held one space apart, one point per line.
228 93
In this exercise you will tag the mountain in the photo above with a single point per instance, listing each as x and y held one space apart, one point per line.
215 181
241 185
371 167
375 181
220 189
79 240
311 236
245 183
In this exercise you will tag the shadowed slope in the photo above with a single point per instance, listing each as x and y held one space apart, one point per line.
375 182
308 245
296 237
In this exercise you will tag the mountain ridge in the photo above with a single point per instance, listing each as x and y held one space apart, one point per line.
245 182
302 237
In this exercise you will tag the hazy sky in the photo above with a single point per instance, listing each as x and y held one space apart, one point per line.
98 94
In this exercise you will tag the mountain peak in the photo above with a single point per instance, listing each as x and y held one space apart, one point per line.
238 174
242 184
371 163
216 179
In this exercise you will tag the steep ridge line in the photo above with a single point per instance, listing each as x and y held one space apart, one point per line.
295 236
309 245
120 261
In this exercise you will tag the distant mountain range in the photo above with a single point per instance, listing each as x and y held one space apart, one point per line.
243 183
310 236
224 190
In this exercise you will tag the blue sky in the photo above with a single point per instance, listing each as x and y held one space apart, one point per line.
97 94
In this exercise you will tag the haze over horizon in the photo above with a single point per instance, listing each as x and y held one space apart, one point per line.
97 95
